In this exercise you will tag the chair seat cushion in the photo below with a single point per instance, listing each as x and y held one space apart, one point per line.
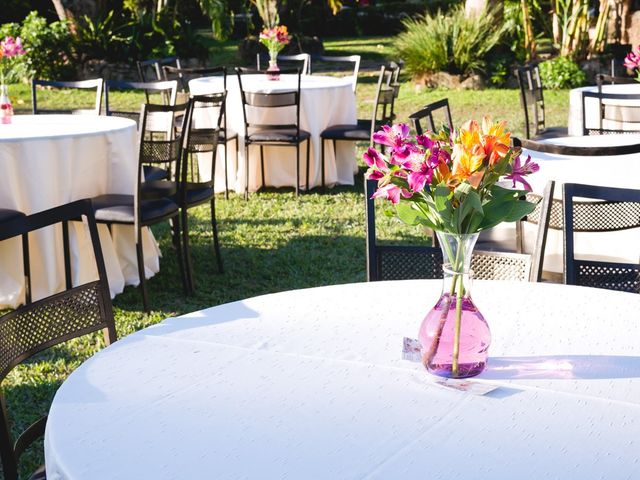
287 135
355 132
114 208
152 173
6 214
158 189
196 196
552 132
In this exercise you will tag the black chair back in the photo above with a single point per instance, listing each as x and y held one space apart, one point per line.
531 99
253 102
323 63
50 321
609 210
94 84
151 70
383 104
439 108
300 60
201 140
617 113
165 90
399 262
603 79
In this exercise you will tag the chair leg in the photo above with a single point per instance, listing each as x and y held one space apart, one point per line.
322 163
187 262
262 166
67 254
140 258
174 223
246 164
308 161
226 175
297 169
26 265
214 229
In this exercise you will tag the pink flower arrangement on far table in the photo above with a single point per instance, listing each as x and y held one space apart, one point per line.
632 61
275 39
10 48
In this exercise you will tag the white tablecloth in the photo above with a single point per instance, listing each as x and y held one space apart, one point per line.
310 384
324 101
575 106
50 160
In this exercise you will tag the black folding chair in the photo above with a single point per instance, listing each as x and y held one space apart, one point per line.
439 109
47 322
256 105
600 209
363 130
532 101
78 86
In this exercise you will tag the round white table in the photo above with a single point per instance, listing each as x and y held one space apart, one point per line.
50 160
311 384
575 105
324 101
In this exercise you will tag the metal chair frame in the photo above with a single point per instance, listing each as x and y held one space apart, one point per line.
167 89
50 321
426 114
262 100
199 140
382 114
601 97
303 58
609 210
347 59
165 151
426 262
96 83
226 135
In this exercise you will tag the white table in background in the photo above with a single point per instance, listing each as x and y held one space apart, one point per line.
50 160
310 384
324 101
575 106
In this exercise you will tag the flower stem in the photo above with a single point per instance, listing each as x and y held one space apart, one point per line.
456 328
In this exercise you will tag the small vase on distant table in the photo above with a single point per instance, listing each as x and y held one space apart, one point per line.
6 109
273 72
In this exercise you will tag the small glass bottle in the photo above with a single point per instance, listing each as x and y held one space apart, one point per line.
6 109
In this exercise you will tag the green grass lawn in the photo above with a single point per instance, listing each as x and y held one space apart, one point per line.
271 243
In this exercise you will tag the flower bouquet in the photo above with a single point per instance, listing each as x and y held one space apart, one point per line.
274 39
456 183
10 49
632 62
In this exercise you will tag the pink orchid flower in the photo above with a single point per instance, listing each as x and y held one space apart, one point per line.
394 136
519 171
392 193
11 47
632 60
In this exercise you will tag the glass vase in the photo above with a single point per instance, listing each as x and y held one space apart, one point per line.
454 335
6 109
273 72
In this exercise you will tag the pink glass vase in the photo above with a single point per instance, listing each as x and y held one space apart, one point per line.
273 72
6 109
454 335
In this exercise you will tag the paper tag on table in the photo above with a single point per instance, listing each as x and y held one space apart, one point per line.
412 351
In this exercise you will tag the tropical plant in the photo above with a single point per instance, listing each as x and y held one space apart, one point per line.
561 72
450 42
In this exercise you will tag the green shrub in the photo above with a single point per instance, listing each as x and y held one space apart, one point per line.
49 48
561 72
450 42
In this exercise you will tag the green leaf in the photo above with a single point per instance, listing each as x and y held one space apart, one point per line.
498 211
